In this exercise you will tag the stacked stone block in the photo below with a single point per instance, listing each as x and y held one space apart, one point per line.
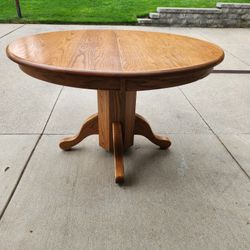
225 15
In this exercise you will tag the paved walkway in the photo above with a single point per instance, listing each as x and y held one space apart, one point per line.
194 196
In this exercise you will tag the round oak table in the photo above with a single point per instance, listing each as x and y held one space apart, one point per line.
117 63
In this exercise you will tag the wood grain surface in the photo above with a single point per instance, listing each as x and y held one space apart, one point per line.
89 127
143 128
116 106
118 152
102 59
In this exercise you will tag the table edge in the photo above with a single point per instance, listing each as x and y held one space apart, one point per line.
67 70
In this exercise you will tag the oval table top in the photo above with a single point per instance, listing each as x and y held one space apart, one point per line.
115 59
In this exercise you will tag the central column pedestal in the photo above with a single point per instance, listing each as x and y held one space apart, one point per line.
116 106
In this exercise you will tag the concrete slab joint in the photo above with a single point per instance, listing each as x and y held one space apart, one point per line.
225 15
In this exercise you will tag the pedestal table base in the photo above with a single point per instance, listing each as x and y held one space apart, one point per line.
116 124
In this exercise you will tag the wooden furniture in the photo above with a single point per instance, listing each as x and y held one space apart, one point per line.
117 64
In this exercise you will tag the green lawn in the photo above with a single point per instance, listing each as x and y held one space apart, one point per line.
91 11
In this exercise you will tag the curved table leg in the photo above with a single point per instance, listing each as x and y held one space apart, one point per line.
90 127
118 152
143 128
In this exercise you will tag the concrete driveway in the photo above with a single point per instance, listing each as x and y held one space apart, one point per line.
196 195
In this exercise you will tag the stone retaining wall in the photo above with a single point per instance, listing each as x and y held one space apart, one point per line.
225 15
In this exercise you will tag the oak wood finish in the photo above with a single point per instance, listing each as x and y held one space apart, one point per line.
90 127
138 60
116 106
117 64
118 152
143 128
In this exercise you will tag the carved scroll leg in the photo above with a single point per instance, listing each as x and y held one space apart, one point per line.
90 127
143 128
118 152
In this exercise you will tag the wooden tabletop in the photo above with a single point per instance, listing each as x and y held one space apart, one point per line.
141 60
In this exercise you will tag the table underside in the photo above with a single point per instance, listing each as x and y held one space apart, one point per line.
116 124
